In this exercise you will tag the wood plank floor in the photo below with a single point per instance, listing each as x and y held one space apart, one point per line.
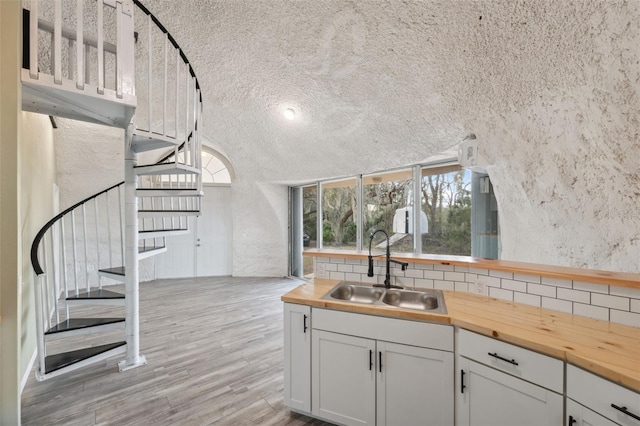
214 348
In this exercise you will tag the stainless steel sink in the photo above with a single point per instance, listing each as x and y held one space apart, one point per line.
357 293
411 299
426 300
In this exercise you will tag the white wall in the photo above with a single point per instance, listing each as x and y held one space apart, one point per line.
37 206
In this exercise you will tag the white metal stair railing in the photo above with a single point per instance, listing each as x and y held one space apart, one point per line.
74 73
71 260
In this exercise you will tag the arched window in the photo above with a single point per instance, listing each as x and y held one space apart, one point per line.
214 169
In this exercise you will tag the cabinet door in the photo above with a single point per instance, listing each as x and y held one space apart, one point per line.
577 415
343 378
414 386
297 357
493 398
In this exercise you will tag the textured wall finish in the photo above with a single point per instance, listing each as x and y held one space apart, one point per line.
550 88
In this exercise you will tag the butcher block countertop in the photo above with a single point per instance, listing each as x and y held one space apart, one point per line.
608 349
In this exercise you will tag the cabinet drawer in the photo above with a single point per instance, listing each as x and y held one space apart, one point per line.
540 369
598 394
423 334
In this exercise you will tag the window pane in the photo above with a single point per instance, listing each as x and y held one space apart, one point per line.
387 201
446 200
309 224
338 214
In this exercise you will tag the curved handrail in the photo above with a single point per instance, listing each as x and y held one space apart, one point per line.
172 40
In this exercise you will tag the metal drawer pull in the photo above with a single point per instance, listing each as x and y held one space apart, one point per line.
510 361
304 324
462 386
370 360
625 411
571 421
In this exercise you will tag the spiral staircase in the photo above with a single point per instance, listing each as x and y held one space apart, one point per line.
94 62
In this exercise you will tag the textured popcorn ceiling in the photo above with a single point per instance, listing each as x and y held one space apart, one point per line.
550 88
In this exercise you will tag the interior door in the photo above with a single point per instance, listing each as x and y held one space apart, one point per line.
214 233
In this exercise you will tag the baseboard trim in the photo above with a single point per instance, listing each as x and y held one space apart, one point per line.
27 372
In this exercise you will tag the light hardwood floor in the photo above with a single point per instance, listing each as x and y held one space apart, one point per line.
214 348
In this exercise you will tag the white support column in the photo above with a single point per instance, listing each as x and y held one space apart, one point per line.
417 209
132 312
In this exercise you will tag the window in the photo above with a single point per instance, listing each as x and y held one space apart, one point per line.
446 201
213 169
387 201
338 214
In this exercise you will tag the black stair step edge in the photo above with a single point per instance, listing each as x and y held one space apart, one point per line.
118 270
80 323
65 359
96 295
146 249
162 230
173 163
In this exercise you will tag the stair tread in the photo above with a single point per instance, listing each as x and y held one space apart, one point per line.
146 249
65 359
169 211
97 294
163 230
79 323
118 270
168 189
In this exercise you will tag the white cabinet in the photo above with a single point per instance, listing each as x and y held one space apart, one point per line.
414 385
602 398
343 377
358 379
490 386
297 357
577 415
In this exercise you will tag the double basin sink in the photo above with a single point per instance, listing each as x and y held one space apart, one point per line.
425 300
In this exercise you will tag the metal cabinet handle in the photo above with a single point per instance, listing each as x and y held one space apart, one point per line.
304 324
380 359
510 361
370 359
462 386
571 421
625 411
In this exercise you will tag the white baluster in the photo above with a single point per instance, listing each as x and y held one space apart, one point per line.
95 207
75 254
54 276
109 230
165 84
149 68
63 237
47 301
57 44
33 40
100 43
86 252
38 282
120 213
80 44
178 60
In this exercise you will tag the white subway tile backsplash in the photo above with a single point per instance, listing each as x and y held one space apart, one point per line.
557 305
454 276
414 273
333 275
528 278
514 285
594 288
501 274
609 303
461 286
574 295
443 267
556 282
345 268
626 318
615 302
443 285
590 311
489 281
423 283
542 290
353 277
633 293
428 266
479 271
434 275
527 299
329 267
501 293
